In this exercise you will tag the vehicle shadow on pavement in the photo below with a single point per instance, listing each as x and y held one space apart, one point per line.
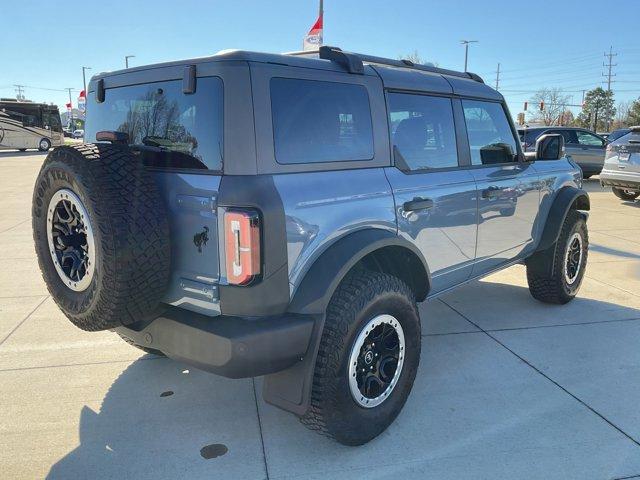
14 154
157 415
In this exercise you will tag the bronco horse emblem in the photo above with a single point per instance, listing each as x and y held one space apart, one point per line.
200 239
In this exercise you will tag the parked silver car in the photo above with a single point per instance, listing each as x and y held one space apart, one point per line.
621 169
586 148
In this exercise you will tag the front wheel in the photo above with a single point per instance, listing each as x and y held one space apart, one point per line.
568 261
368 358
44 145
623 194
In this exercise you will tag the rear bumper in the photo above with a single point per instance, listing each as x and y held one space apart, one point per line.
233 347
613 178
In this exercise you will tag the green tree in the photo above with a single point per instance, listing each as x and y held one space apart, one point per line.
633 117
598 110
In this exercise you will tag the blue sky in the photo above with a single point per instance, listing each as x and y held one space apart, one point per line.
538 43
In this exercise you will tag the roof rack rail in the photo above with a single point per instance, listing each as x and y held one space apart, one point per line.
354 62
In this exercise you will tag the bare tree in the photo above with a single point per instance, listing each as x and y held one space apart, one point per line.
415 57
622 115
554 104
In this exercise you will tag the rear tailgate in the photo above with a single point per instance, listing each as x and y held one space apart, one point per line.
180 139
191 201
624 154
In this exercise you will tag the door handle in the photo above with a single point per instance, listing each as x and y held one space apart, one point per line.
418 203
491 192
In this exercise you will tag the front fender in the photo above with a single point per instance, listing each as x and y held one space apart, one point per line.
568 198
565 200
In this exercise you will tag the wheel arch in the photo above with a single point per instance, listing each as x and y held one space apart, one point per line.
568 198
375 249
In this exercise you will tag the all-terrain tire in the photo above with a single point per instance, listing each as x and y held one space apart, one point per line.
360 297
623 194
553 287
130 228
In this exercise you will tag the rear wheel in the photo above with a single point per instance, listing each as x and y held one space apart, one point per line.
44 145
368 358
624 194
568 261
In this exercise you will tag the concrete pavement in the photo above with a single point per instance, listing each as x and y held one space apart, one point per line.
507 388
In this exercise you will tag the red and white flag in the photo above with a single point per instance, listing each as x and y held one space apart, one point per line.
313 40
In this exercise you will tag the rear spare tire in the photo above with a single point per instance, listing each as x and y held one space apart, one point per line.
101 234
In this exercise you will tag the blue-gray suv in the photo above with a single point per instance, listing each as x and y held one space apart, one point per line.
253 214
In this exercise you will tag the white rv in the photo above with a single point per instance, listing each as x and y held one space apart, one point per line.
29 125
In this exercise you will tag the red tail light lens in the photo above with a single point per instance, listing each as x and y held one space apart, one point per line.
242 246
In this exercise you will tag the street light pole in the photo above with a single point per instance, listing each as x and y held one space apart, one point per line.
84 79
466 50
70 120
126 60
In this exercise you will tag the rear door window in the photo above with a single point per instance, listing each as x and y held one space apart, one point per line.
171 129
490 136
422 132
317 121
586 138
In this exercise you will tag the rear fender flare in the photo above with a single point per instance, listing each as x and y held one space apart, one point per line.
290 389
323 277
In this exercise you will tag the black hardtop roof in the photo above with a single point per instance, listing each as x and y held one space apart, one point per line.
398 74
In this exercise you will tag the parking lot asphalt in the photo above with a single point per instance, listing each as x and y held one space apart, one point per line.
507 388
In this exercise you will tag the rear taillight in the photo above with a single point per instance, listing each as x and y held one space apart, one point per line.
242 246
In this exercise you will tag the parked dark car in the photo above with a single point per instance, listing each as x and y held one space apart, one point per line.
616 134
586 148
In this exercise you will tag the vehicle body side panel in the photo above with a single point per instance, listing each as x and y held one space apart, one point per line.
507 220
554 174
321 207
446 232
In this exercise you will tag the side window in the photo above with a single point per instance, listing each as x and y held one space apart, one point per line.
490 136
422 132
586 138
316 121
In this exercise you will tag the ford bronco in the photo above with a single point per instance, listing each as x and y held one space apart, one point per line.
255 214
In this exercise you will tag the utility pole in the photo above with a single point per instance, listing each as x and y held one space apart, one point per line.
84 79
126 60
19 92
466 51
498 77
609 65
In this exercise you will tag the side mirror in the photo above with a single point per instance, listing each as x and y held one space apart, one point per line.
550 147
